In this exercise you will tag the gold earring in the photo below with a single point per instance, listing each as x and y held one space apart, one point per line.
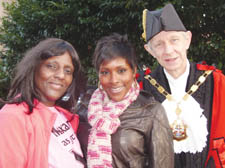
135 83
100 86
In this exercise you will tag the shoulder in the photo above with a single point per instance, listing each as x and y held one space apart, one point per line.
145 98
219 79
14 132
153 108
204 66
13 118
140 76
14 109
217 73
147 108
147 103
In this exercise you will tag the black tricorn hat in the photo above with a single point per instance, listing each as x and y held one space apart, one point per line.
156 21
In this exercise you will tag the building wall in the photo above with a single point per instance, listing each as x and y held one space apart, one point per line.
2 12
1 8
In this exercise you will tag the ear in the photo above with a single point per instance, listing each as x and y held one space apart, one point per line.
134 73
149 49
188 35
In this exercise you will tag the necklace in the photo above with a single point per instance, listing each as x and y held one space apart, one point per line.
178 126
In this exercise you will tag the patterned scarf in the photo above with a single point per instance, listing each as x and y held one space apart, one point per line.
103 116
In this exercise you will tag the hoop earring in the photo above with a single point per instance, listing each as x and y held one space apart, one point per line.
100 86
136 85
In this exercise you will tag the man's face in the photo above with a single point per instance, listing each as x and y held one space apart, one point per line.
170 50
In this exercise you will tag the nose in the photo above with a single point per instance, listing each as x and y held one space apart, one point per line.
168 48
60 74
114 78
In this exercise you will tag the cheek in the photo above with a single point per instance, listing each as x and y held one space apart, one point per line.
42 74
130 81
157 54
38 79
69 81
103 81
159 59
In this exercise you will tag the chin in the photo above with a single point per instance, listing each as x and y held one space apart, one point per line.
117 99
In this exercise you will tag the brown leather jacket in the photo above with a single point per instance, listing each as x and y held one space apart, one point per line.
143 140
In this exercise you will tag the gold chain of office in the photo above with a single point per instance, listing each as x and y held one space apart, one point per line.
178 127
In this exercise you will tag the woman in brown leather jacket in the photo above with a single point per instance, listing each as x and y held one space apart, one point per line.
127 127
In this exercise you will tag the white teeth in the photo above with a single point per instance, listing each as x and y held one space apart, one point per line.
116 90
55 85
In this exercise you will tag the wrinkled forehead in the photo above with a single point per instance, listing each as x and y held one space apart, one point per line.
164 35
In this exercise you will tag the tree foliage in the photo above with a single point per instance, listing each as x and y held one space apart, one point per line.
83 22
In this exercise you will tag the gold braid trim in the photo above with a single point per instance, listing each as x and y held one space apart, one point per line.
144 16
193 88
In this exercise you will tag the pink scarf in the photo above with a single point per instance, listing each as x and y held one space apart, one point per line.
103 116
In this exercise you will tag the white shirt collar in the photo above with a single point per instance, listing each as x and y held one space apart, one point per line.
177 86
